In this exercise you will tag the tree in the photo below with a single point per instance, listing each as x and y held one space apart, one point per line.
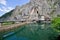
56 24
56 20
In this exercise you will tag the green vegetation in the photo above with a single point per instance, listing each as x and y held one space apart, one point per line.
34 31
8 23
7 14
56 20
56 24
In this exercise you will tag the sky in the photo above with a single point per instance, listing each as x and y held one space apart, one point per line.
8 5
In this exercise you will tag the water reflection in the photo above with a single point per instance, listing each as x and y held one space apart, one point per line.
33 31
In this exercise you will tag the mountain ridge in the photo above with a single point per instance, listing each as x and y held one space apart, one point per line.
24 12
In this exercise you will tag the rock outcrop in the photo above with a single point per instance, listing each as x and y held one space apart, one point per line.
31 11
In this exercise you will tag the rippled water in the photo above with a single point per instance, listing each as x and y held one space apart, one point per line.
33 31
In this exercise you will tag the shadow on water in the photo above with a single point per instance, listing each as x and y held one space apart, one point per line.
33 31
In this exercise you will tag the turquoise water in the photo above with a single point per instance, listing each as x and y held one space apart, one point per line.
33 31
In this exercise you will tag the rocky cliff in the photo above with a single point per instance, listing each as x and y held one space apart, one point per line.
32 11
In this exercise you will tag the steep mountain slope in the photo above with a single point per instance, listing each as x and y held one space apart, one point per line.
6 16
31 11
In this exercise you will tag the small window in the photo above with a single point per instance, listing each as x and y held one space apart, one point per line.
37 11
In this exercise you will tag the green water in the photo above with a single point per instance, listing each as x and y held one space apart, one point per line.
33 31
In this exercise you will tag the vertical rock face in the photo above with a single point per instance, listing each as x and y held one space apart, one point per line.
30 11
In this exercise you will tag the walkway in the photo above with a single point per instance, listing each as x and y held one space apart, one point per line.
4 28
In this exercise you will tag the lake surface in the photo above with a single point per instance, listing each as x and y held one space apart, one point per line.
33 31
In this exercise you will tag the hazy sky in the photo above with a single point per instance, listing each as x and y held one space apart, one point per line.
7 5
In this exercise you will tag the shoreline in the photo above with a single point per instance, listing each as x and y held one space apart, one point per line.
12 26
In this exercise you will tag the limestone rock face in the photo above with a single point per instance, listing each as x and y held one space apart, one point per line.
30 11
